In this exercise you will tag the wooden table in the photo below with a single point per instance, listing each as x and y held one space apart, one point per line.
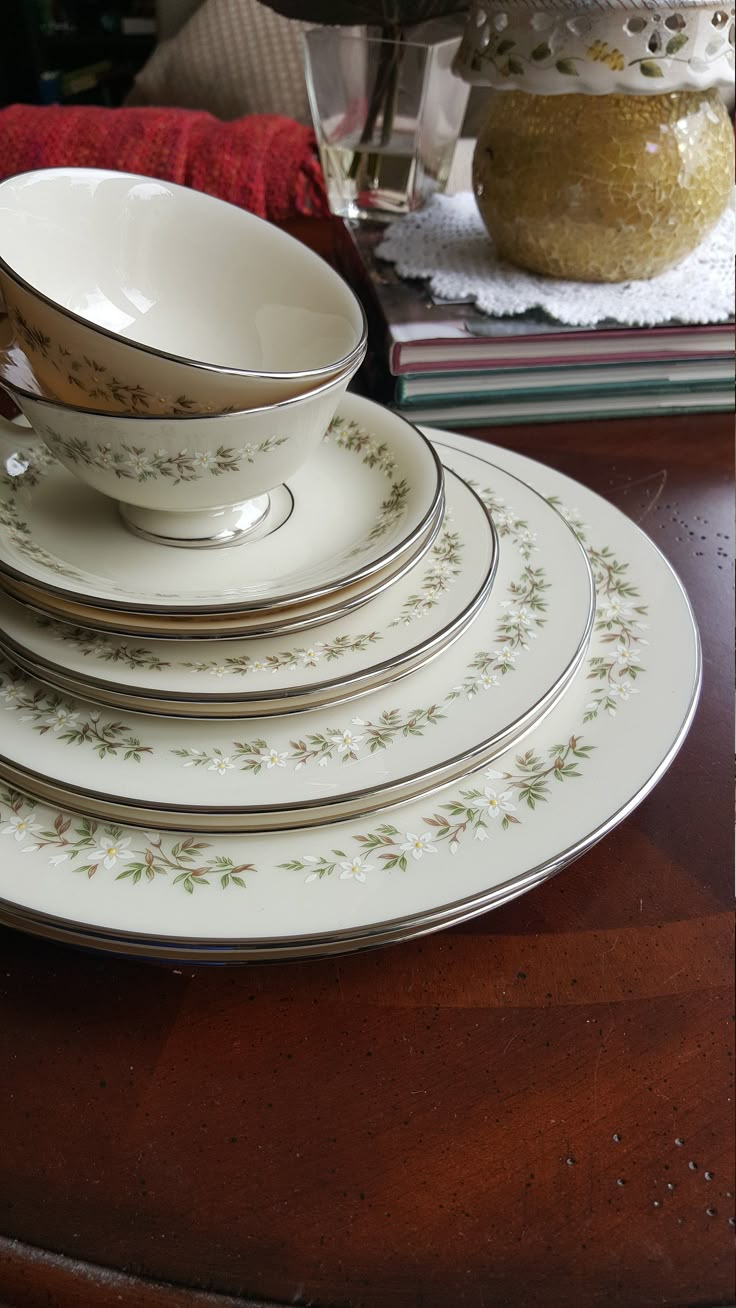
533 1109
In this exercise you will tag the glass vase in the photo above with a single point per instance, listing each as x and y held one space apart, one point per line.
387 115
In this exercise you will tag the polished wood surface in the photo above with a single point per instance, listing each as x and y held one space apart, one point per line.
533 1109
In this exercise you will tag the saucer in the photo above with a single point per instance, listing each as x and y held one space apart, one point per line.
178 626
499 678
365 498
411 622
418 868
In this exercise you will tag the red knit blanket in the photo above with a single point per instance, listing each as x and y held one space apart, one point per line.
262 162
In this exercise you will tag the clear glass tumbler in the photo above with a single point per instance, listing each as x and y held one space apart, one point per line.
387 115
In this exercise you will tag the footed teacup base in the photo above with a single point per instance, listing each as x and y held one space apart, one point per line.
204 529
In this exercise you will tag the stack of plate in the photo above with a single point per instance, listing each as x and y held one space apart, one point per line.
278 676
384 714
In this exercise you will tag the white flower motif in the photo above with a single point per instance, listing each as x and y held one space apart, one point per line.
116 851
505 654
10 693
575 518
57 859
247 452
354 869
221 764
418 845
204 459
486 680
491 775
454 846
480 833
627 656
20 827
312 656
60 717
140 464
259 666
493 804
345 741
623 690
521 614
217 670
504 518
616 610
274 759
518 613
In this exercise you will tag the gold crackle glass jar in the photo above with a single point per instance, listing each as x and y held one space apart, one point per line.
602 187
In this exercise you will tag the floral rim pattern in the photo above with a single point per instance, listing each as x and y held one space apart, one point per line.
137 463
350 435
95 381
17 472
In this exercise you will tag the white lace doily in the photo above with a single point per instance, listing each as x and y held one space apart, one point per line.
448 243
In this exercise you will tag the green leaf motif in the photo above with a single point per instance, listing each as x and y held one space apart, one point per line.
648 68
567 67
516 67
540 52
676 43
504 46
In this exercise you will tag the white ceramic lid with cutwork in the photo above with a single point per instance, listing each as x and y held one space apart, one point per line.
598 47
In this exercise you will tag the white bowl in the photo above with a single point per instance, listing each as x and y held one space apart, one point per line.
132 295
201 481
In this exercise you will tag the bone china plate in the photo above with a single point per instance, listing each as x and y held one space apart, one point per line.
428 864
365 497
409 623
501 675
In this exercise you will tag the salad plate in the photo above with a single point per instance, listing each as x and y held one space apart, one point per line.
486 690
409 623
362 501
432 862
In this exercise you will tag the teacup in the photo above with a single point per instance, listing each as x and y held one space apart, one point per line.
201 481
131 295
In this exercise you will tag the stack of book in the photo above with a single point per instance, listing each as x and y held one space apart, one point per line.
447 364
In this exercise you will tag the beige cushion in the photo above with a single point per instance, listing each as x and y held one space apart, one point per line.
231 57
